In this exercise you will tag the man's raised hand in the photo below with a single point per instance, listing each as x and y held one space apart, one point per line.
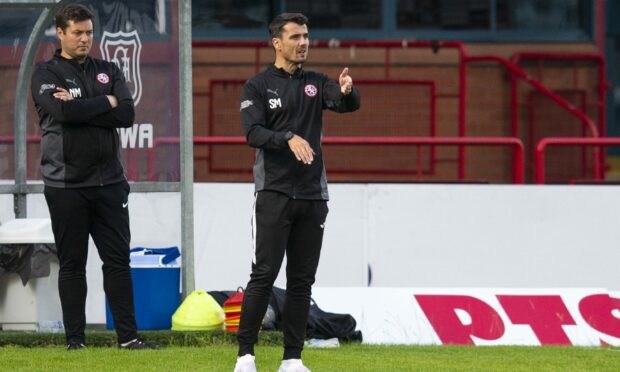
346 82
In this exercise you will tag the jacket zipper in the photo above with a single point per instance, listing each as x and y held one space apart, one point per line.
100 140
296 171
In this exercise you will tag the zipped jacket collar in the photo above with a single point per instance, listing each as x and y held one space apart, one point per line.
283 73
72 61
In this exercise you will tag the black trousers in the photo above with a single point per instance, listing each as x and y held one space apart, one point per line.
101 212
282 225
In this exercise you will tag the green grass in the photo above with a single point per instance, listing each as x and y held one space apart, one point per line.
108 338
349 357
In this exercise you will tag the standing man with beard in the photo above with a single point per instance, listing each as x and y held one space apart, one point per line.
81 101
282 115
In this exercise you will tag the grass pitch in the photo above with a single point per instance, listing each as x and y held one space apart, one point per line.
348 357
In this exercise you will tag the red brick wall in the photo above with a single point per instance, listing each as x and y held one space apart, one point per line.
385 113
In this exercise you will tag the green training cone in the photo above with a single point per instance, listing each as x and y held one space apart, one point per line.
199 312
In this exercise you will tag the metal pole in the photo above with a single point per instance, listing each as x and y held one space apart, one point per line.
187 152
21 106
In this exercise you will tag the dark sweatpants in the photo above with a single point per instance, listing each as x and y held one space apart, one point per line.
282 225
102 213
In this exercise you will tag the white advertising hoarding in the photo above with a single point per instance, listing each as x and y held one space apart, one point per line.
478 316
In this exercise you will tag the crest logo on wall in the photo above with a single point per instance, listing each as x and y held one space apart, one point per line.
123 49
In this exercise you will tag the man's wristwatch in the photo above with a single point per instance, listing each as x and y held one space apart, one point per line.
288 135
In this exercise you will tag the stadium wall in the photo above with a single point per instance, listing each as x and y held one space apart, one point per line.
399 110
389 109
397 235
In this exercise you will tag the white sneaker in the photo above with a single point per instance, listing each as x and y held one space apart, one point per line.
245 364
292 365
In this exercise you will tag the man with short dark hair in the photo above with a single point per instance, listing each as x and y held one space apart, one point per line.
282 115
81 101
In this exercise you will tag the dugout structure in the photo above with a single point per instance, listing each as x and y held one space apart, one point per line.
150 40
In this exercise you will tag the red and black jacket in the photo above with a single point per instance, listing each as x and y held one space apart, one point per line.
274 106
79 141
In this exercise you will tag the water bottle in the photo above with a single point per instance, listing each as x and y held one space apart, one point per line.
320 343
50 326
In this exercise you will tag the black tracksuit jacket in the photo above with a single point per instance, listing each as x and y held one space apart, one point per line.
79 142
274 103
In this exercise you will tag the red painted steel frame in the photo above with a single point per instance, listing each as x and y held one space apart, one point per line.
11 139
518 162
463 60
520 73
602 86
566 141
515 72
432 107
518 159
131 161
532 126
518 170
388 45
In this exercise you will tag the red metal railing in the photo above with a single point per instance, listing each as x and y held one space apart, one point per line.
567 141
388 45
520 73
11 139
515 143
432 112
602 83
580 97
601 86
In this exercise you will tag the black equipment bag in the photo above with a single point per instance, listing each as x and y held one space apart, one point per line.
321 324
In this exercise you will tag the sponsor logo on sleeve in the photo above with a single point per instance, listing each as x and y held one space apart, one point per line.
45 87
245 104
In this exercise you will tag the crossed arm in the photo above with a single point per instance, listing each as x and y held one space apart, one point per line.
114 110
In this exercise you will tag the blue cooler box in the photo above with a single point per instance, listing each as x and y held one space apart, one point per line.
156 275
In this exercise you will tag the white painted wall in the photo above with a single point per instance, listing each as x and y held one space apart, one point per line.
417 235
388 315
499 236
